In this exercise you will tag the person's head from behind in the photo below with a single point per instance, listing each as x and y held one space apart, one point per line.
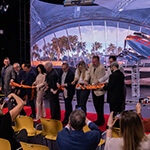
6 61
112 58
77 119
40 69
131 129
48 66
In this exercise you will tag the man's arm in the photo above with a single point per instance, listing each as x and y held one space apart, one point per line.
106 76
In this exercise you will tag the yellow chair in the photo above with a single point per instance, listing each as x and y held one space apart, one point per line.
115 132
50 129
27 146
4 144
102 141
26 122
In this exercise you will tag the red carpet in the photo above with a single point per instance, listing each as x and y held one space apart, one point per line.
91 116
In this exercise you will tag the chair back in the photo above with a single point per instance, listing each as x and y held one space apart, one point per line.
51 127
4 144
25 122
29 146
86 128
115 132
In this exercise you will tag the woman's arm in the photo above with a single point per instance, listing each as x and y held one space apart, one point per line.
20 104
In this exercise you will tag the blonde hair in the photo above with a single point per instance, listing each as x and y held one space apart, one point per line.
83 71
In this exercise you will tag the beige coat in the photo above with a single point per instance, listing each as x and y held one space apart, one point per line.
94 77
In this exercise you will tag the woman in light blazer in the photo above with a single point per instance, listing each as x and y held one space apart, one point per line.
40 88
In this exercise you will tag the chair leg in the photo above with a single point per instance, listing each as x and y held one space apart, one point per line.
52 146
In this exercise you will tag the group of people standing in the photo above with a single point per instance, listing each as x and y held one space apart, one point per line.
49 82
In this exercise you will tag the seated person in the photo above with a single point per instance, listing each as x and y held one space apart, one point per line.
6 130
72 136
146 121
132 135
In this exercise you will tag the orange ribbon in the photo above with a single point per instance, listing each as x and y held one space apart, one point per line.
24 86
90 87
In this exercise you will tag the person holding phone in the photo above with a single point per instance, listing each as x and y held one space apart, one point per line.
6 130
146 121
132 135
72 137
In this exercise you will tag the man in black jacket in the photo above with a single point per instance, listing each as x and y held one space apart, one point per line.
115 88
52 91
66 78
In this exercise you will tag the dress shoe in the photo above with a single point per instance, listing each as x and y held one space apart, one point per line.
33 116
98 123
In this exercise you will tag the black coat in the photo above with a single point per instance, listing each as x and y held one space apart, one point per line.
115 87
69 78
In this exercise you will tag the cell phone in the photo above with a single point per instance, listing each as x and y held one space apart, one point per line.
144 100
116 114
6 99
78 107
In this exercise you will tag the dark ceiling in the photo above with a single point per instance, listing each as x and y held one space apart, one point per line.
47 17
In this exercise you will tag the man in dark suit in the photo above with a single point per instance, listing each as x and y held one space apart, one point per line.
66 78
29 79
52 91
8 75
72 137
115 88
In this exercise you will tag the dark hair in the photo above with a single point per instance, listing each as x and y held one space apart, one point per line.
114 58
42 69
96 57
28 65
77 119
131 130
66 64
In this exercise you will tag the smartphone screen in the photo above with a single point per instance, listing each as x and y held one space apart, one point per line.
6 99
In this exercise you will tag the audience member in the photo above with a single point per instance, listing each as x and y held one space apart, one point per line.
95 72
6 130
40 88
7 74
115 88
29 79
66 77
146 121
132 136
81 94
52 91
72 136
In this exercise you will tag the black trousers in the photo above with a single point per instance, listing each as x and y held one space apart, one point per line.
82 97
116 107
54 106
99 107
68 107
